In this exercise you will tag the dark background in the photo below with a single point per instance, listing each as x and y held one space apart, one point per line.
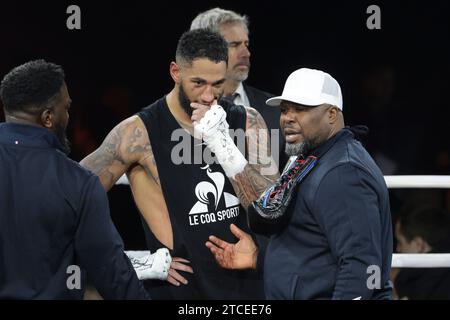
394 80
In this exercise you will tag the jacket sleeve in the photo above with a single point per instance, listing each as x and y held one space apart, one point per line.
100 250
346 207
264 226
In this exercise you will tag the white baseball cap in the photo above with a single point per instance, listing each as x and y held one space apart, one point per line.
310 87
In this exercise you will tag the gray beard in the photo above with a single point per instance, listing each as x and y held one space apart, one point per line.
237 75
240 76
302 148
295 149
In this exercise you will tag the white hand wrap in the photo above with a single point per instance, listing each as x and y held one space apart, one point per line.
151 266
213 128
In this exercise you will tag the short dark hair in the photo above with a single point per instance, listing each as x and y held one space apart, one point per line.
202 43
31 86
430 223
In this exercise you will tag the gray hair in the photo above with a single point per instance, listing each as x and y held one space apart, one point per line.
214 18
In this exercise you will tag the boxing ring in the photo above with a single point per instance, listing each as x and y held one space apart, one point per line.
404 260
419 260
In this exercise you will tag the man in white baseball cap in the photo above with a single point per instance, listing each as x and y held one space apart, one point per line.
329 210
311 88
306 88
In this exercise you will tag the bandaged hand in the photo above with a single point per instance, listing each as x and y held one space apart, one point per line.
213 129
150 266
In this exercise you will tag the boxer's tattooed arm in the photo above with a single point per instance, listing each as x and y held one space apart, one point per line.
124 146
139 145
261 170
107 162
149 163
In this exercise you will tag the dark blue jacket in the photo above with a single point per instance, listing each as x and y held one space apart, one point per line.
54 214
339 225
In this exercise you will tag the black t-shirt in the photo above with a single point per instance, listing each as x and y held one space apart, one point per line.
201 202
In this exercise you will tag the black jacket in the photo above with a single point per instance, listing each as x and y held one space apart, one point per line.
338 226
54 214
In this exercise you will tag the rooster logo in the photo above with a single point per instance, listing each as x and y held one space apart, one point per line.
209 194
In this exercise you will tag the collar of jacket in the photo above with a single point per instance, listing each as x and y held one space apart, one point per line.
323 148
28 136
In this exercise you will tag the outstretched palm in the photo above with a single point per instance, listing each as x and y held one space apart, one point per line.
240 255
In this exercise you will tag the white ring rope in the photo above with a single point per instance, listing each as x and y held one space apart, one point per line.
405 260
418 181
392 182
421 260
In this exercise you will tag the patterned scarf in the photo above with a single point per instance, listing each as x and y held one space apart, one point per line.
273 202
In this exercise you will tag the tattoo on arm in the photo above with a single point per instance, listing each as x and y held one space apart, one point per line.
124 146
261 171
138 144
105 158
135 143
155 176
249 185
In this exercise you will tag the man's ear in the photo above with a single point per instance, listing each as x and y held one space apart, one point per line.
332 115
175 72
47 118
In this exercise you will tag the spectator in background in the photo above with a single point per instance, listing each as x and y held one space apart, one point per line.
234 28
423 230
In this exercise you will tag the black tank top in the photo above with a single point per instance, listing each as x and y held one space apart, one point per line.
201 202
